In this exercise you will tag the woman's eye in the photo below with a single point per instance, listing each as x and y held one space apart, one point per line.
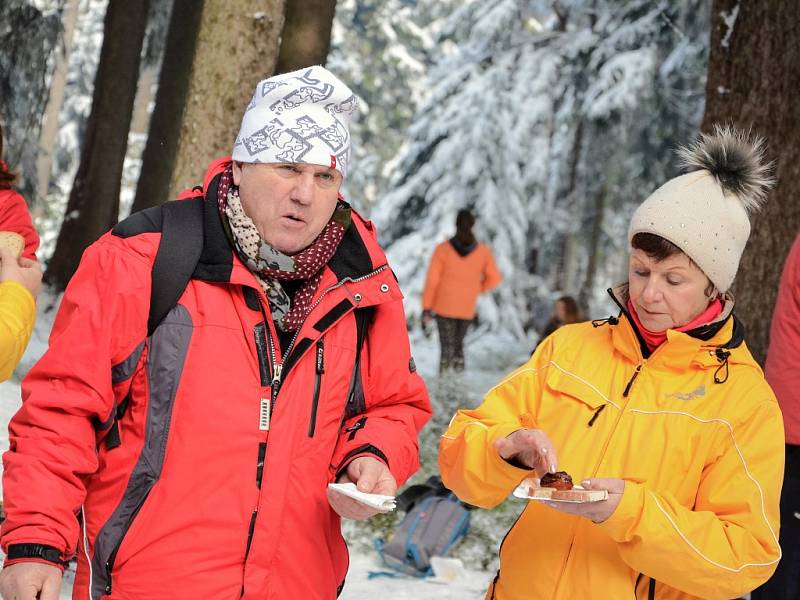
673 281
641 273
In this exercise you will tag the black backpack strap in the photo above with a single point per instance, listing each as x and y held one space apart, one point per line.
177 256
355 395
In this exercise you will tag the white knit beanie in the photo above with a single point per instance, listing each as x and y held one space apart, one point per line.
298 117
705 212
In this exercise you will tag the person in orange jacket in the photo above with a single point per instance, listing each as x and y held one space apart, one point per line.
783 374
20 278
460 270
663 407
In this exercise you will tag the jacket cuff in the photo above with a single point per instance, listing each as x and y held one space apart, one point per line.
620 526
365 450
40 553
512 472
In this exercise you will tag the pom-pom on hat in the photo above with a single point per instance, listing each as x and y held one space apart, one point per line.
706 211
298 117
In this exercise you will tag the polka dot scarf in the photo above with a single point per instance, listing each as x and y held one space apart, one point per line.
271 266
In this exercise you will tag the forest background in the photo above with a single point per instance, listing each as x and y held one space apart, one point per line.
550 119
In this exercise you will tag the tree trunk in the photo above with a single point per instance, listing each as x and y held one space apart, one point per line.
93 204
161 149
753 78
598 213
306 36
236 48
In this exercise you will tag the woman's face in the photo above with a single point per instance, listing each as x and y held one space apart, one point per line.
666 294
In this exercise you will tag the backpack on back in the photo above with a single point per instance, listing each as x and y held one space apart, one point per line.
434 522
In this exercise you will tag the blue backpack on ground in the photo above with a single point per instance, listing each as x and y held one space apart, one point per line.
434 522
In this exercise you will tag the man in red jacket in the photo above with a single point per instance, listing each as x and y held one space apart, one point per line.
194 462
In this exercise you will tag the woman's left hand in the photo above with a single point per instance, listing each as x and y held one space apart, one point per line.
596 511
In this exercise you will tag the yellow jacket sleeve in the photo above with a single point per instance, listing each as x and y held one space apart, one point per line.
491 274
728 544
432 279
469 463
17 314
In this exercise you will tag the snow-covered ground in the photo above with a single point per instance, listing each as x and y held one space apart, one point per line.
488 358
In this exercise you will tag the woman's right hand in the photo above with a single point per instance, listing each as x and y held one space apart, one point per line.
22 270
529 448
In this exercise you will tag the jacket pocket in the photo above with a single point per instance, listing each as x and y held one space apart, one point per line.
319 370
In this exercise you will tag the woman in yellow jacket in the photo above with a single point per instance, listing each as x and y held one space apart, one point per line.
664 407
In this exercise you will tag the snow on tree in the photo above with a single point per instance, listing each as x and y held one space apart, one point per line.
536 124
382 49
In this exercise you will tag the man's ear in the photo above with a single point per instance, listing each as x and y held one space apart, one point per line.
237 172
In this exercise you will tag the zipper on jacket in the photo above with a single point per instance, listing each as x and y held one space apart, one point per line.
630 383
320 369
112 557
250 531
276 379
596 414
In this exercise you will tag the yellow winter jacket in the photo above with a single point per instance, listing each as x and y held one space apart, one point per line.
17 314
695 433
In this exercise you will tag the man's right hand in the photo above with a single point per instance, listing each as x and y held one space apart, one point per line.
30 581
22 270
529 448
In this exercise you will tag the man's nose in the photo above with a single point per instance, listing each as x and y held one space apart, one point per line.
303 192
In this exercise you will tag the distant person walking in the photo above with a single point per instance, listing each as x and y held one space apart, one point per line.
783 374
461 268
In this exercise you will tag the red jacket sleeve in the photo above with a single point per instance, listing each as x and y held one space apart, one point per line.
397 404
14 216
102 317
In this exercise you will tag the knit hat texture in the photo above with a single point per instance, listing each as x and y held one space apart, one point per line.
706 211
298 117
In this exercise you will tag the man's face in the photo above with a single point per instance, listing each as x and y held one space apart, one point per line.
290 204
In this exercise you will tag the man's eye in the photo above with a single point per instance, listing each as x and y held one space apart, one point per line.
673 281
326 176
641 273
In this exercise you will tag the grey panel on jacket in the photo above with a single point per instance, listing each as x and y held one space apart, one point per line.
169 346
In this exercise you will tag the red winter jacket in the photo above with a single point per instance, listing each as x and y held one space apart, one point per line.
14 216
195 498
783 366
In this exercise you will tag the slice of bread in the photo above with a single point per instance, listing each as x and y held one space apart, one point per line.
580 495
13 241
537 492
